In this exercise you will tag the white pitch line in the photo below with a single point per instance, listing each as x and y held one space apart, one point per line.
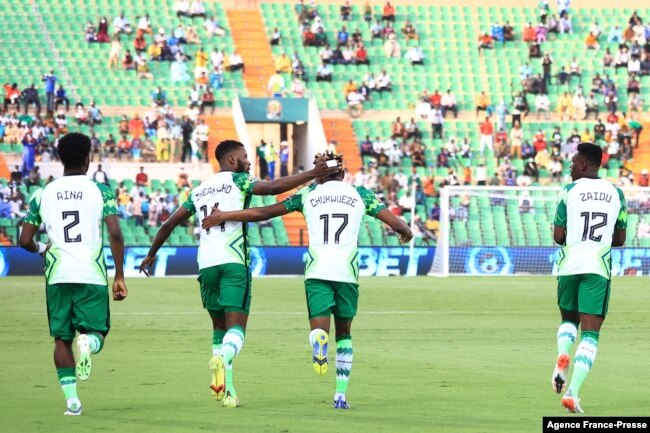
301 313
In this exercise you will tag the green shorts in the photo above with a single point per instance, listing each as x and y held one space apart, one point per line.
77 307
584 293
226 288
331 297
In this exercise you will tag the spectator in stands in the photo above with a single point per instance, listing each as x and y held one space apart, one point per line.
91 33
197 9
497 32
501 110
143 71
346 11
50 89
236 63
529 34
182 8
94 114
115 53
409 32
415 56
615 35
634 66
275 87
342 37
542 105
276 37
448 103
566 26
564 107
128 64
547 64
621 58
591 42
30 96
179 71
102 31
12 96
579 106
283 63
377 30
591 104
213 28
483 104
541 33
392 47
136 126
485 41
487 132
159 97
388 14
633 85
121 25
384 83
61 98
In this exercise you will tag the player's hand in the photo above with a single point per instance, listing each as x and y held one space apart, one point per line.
147 263
321 169
47 248
405 238
119 290
214 219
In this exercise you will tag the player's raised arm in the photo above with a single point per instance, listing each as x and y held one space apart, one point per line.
284 184
179 216
117 249
247 215
397 224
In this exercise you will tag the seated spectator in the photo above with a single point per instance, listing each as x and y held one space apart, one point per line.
283 63
541 33
275 37
91 33
534 51
216 78
497 32
102 31
388 14
12 96
320 38
275 87
121 25
342 37
384 82
128 63
191 37
615 35
124 148
415 56
543 105
144 26
61 98
361 55
30 96
508 32
566 26
409 32
448 103
392 47
298 88
213 28
95 115
621 58
633 85
324 73
483 103
197 9
562 76
591 106
346 11
485 42
591 42
367 13
325 54
634 66
182 8
143 71
529 33
236 63
179 71
377 30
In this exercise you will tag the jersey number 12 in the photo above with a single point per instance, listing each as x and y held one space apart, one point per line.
590 231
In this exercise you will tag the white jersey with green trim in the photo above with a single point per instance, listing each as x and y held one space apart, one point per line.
334 211
227 242
73 209
590 210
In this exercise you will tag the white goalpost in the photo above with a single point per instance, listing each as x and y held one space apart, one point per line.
503 230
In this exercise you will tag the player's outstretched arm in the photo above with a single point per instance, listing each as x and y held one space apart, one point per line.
178 217
117 249
247 215
27 240
559 235
397 224
284 184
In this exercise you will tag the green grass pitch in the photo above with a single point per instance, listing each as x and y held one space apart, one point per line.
431 355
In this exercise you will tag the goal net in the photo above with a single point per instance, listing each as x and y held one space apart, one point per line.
509 231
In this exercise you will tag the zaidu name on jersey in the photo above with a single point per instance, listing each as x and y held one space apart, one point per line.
69 195
325 199
596 196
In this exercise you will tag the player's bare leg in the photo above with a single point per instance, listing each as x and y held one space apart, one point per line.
584 359
566 336
65 370
318 339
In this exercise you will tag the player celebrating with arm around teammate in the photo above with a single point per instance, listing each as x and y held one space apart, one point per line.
223 256
591 218
73 209
333 211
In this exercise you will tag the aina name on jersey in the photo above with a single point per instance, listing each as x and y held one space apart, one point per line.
69 195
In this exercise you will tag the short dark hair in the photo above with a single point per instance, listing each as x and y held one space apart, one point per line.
225 147
73 149
591 152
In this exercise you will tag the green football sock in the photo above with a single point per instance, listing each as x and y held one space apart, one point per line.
344 355
96 342
584 360
68 382
217 339
566 336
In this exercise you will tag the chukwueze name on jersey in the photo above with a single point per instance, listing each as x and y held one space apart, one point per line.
330 199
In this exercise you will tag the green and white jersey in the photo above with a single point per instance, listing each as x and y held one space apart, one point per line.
226 243
590 210
334 211
73 209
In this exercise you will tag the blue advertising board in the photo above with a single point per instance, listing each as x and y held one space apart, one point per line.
373 261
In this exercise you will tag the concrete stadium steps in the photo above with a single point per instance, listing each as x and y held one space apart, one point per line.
222 128
295 224
340 130
251 42
642 153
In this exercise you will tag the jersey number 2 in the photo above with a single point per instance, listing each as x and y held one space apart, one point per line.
75 220
326 226
589 231
204 209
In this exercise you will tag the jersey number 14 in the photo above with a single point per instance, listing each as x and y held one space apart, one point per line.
204 208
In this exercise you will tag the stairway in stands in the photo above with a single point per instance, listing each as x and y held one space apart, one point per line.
253 46
642 153
221 128
340 131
